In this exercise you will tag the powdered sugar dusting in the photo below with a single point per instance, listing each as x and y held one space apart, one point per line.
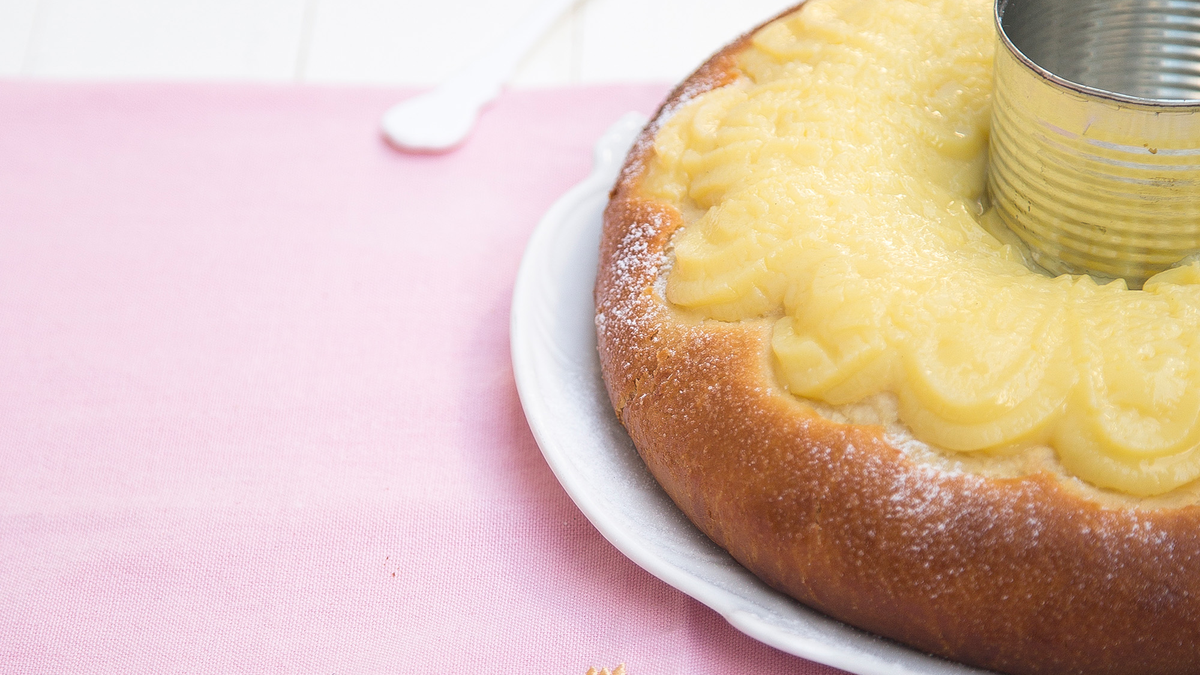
632 265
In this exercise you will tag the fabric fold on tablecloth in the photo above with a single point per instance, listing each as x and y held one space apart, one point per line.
256 406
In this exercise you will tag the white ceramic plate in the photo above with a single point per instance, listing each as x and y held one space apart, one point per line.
558 375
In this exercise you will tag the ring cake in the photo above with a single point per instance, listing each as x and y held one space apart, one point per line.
848 375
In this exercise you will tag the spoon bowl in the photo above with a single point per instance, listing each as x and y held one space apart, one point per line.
441 120
431 122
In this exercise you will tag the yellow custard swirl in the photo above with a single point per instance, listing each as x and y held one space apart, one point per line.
838 186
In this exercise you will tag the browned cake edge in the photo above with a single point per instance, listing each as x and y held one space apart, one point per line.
1018 575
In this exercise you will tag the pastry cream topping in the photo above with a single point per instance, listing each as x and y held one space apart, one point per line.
838 187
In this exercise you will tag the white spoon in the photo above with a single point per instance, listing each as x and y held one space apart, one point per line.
439 120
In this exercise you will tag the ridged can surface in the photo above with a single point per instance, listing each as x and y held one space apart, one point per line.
1094 180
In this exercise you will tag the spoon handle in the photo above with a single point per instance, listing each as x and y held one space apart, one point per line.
482 79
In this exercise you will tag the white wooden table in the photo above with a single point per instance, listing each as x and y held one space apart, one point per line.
377 42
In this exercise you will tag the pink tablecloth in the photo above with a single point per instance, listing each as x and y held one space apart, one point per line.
256 406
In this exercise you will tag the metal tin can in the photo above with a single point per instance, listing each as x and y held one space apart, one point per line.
1095 148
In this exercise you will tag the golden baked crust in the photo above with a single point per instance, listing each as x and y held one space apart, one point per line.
1019 575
